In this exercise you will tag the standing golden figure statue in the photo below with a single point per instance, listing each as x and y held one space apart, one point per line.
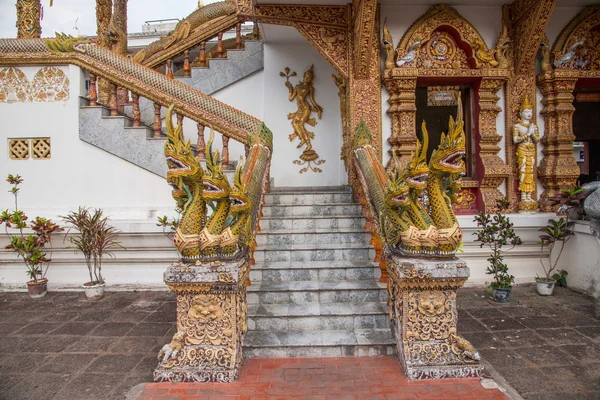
304 93
526 136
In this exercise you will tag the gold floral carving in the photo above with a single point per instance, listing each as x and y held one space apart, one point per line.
28 19
330 41
364 17
529 19
495 170
442 52
403 112
430 315
426 29
464 199
48 84
325 27
577 46
14 86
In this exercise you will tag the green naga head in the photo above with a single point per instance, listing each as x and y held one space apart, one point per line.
214 181
362 136
416 171
396 193
448 158
239 200
183 168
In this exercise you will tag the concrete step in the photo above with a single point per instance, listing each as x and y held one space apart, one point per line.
308 198
302 292
289 237
307 317
319 343
313 223
313 210
286 271
314 252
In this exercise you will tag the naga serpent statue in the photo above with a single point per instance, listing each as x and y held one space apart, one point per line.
408 223
221 234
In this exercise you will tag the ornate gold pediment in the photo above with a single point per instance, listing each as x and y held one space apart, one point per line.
578 45
442 38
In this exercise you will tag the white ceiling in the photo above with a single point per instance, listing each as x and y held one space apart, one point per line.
281 34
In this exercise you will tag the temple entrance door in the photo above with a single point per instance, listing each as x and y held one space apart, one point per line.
586 128
435 105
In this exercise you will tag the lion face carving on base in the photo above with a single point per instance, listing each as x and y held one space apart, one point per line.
432 302
205 308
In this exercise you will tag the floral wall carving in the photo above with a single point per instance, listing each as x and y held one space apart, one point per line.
49 84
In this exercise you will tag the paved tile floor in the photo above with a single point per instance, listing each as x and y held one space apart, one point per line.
369 378
63 347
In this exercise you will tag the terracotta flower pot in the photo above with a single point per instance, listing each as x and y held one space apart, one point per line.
37 289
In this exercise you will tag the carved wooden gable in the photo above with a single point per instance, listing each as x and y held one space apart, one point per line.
443 39
578 45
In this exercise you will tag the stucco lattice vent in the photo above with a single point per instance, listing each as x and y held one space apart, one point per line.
40 148
25 148
18 149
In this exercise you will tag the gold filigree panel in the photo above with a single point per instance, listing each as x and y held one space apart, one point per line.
49 84
442 52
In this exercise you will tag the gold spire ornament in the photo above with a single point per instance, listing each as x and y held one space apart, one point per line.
526 136
304 93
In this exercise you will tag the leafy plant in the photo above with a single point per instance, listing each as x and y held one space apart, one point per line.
570 198
169 224
30 247
561 277
496 231
96 239
555 232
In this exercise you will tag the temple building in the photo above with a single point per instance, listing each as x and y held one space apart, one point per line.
342 86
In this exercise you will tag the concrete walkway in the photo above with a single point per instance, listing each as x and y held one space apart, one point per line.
63 347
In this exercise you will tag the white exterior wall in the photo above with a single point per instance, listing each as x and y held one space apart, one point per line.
328 131
77 173
581 259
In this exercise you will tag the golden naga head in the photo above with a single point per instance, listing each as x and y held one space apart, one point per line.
214 181
416 170
396 193
239 199
183 167
448 158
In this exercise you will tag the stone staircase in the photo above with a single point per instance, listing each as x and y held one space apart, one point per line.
117 136
315 291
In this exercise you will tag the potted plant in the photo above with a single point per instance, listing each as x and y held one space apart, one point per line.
31 247
570 201
96 239
496 232
555 232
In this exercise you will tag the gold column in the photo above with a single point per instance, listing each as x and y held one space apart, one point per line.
28 19
403 112
495 170
103 14
558 167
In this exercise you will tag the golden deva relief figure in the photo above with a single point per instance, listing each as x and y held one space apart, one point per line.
304 94
526 136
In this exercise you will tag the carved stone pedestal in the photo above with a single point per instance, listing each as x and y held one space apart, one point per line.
211 319
424 317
